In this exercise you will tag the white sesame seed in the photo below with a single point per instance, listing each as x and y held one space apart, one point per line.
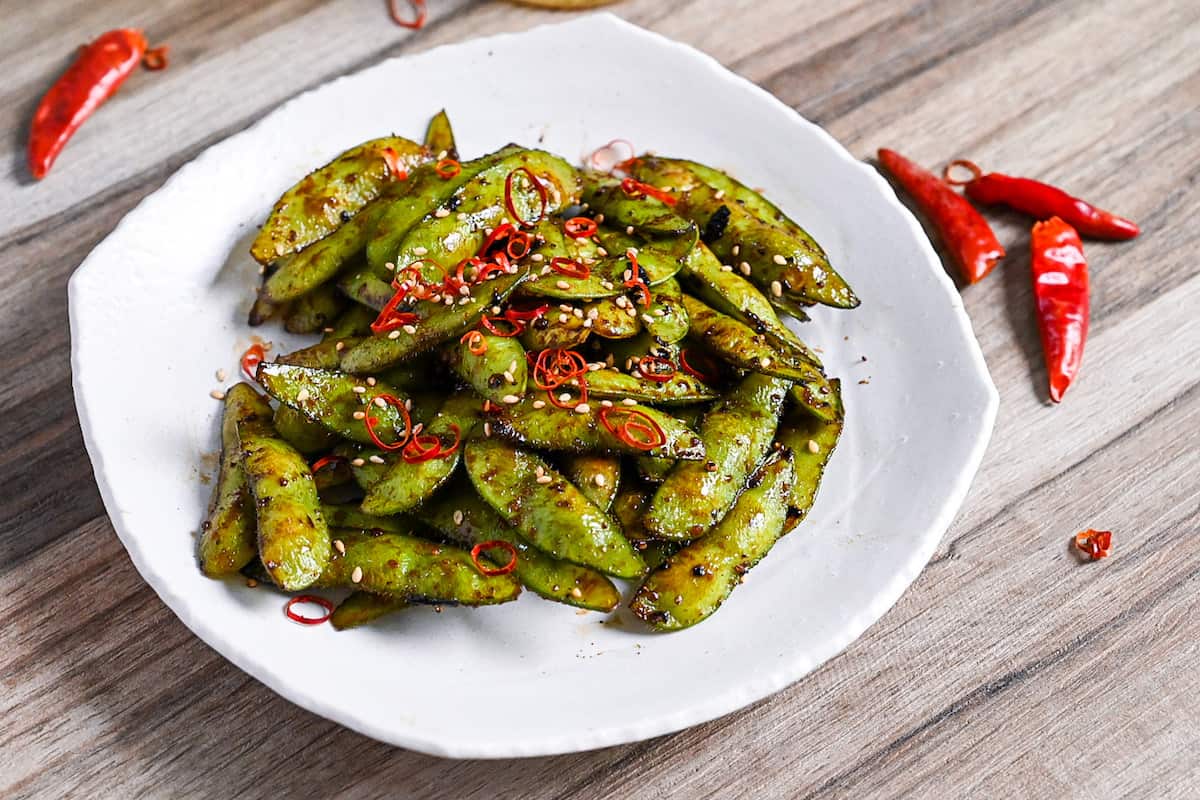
578 312
576 592
607 285
563 318
408 404
539 403
441 154
544 479
622 301
356 576
371 381
765 362
813 447
587 323
778 259
464 290
358 462
340 346
537 257
379 401
461 215
540 470
599 480
458 517
420 251
582 408
631 252
441 212
409 329
565 307
394 335
720 195
562 285
649 320
629 401
375 459
487 429
508 376
629 229
726 268
360 390
744 267
420 426
593 313
340 546
390 266
631 311
221 375
510 399
777 288
512 365
601 251
302 395
360 415
659 312
217 394
737 248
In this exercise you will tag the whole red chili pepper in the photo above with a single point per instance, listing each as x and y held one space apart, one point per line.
964 231
1060 286
99 69
1042 201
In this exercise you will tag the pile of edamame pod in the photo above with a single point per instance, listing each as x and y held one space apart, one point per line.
530 376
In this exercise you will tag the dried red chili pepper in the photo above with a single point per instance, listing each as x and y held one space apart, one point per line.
98 71
1041 201
965 232
1094 544
1060 287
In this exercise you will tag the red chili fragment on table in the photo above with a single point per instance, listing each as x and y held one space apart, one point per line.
1041 201
1060 288
295 616
1094 544
95 74
419 13
494 544
963 230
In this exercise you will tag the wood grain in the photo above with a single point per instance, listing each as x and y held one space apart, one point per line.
1008 669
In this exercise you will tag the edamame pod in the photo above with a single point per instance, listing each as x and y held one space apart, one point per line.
547 509
332 398
737 434
321 202
648 215
323 355
678 389
494 366
666 319
812 440
695 581
439 136
460 514
597 475
293 541
359 608
301 432
348 515
315 310
316 264
354 321
405 567
228 537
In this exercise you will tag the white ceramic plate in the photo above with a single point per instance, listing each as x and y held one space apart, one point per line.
160 305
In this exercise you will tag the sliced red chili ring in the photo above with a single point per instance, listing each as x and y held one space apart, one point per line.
502 231
390 319
537 186
370 422
597 163
488 271
327 461
308 598
580 227
654 368
570 267
1094 544
493 545
254 355
392 159
447 168
526 314
418 7
490 324
555 367
476 344
631 422
523 243
636 280
428 446
686 356
634 188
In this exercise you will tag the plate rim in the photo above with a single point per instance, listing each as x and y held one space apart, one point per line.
733 699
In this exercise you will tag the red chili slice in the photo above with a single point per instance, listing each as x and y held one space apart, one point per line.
327 461
630 424
659 370
537 186
687 356
580 227
447 168
633 188
254 355
308 598
493 545
370 422
570 267
1094 544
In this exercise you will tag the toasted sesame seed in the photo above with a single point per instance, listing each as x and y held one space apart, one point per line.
606 403
458 516
649 320
720 195
360 390
360 415
379 401
777 288
510 399
487 429
726 268
539 403
744 267
390 266
496 310
765 362
441 212
221 375
598 479
358 462
813 447
340 346
629 229
217 394
543 479
420 251
562 284
340 546
394 335
487 406
356 576
576 592
540 470
302 395
582 408
737 248
779 259
599 218
629 401
601 251
563 317
508 376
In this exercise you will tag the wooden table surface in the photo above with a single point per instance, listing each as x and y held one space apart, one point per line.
1009 669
